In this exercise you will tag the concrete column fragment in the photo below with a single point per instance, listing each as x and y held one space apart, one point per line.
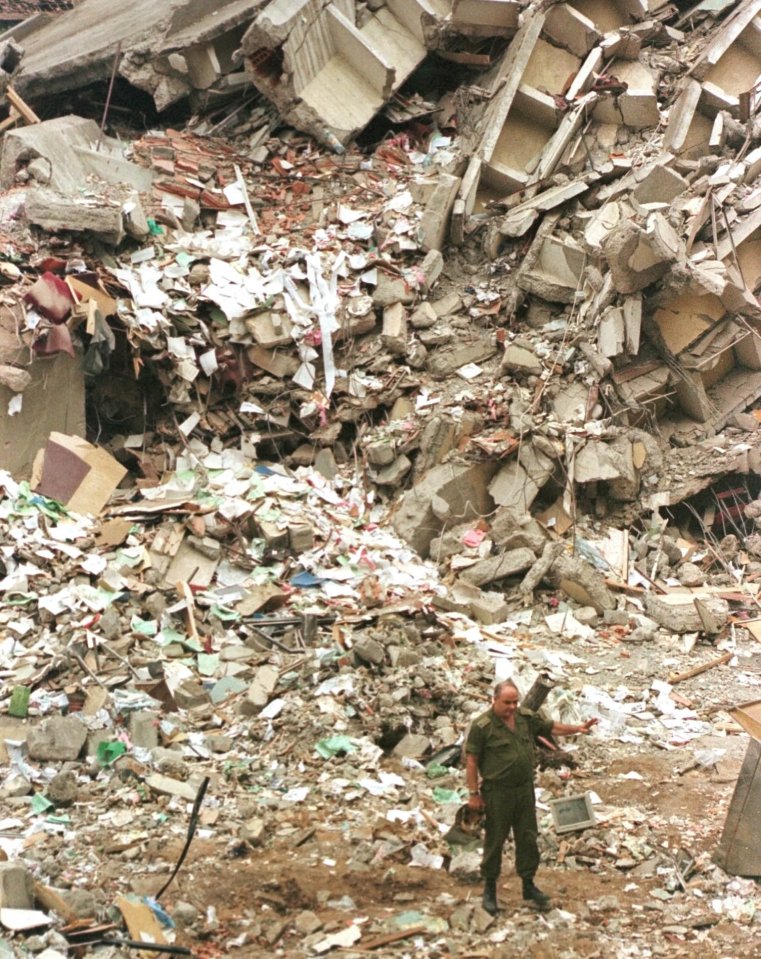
445 495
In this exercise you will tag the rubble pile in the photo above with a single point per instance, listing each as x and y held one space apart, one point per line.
307 437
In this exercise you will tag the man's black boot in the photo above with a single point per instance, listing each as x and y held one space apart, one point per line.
534 894
489 901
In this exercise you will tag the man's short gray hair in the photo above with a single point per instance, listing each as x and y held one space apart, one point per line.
506 683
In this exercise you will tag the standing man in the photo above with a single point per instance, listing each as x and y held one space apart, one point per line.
500 774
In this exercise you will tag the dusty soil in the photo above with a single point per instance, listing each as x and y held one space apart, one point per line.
262 891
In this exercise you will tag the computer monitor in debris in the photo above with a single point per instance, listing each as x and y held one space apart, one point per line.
572 813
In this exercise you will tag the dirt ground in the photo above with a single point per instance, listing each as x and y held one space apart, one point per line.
260 893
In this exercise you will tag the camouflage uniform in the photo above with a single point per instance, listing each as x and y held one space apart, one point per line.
506 762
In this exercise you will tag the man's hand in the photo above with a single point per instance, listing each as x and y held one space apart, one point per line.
476 802
587 725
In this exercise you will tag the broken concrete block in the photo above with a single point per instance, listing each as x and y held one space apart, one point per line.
658 183
381 452
609 463
368 56
517 484
570 28
78 214
370 651
518 359
445 361
394 473
190 694
638 257
462 490
556 271
16 886
391 289
253 832
431 269
689 574
300 538
498 567
270 329
66 147
450 543
144 728
394 336
582 582
58 739
680 612
512 529
412 746
423 317
259 692
434 225
637 106
489 608
448 304
167 786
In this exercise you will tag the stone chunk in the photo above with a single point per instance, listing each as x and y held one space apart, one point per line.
423 317
14 378
511 529
638 257
58 739
394 473
143 728
517 359
62 789
77 214
253 831
689 574
680 612
260 690
394 336
170 787
370 651
412 746
582 582
16 886
489 608
444 491
391 289
380 452
490 570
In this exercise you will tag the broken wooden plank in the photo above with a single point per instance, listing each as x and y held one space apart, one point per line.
21 106
675 678
389 938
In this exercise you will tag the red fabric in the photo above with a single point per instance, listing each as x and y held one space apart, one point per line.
51 297
56 340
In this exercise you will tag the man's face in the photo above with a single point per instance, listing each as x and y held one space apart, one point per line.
506 704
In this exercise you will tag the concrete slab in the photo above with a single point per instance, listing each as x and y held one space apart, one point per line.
329 72
77 47
67 145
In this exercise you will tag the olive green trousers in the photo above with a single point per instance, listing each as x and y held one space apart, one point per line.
510 808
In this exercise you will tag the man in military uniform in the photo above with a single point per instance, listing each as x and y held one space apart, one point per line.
500 765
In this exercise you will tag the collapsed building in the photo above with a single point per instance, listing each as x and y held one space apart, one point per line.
480 273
